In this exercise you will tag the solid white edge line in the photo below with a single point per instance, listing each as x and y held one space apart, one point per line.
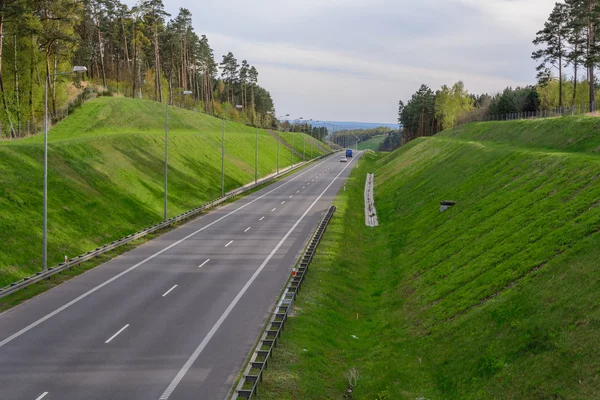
117 334
169 291
227 245
204 263
188 364
114 278
247 229
42 396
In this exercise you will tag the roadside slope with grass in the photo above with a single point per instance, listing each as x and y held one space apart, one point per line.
495 298
106 173
572 134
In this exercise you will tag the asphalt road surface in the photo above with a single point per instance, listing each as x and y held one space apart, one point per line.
174 318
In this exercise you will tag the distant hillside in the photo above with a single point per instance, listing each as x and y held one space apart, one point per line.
352 125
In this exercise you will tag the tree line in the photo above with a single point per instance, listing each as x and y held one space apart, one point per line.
568 52
140 52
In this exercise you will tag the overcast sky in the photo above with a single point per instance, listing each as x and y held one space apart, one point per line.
352 60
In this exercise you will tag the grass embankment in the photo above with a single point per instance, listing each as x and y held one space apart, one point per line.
372 144
495 298
572 134
106 177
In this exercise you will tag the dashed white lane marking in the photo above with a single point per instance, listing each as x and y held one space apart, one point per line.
227 245
297 191
291 196
247 229
169 291
117 334
273 209
261 218
303 187
204 263
283 202
42 396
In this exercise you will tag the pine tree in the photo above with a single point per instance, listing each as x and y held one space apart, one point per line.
155 18
554 39
587 13
577 41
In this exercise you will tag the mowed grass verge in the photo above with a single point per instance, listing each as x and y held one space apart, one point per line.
106 171
494 299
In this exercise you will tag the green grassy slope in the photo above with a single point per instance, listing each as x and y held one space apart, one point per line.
106 177
494 299
573 134
372 144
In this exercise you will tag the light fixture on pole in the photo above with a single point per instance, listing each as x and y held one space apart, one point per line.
294 138
279 138
166 189
76 69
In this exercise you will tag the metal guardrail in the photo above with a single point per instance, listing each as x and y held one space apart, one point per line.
253 374
30 280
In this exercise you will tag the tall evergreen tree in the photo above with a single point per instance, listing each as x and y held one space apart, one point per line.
554 39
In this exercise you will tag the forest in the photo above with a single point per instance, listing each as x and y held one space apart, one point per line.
567 50
140 52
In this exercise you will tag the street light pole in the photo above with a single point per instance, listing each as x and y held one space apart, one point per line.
166 157
293 143
223 158
166 189
279 139
45 228
76 69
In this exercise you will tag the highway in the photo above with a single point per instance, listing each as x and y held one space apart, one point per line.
176 317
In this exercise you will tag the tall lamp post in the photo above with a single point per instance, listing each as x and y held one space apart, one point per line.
279 138
223 158
357 139
256 160
294 138
76 69
318 146
166 190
